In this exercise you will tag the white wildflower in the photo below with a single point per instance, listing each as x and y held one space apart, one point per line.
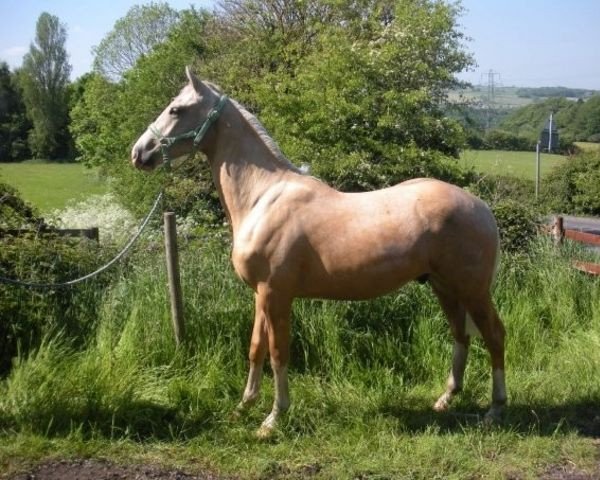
115 223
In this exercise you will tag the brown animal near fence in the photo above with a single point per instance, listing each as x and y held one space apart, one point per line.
560 233
294 236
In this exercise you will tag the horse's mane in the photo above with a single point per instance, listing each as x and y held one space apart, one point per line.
260 131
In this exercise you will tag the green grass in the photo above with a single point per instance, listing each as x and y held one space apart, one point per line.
363 378
50 186
518 164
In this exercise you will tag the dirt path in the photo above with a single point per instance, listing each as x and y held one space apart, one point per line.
104 470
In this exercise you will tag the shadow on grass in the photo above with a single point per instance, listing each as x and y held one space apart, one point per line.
139 421
580 416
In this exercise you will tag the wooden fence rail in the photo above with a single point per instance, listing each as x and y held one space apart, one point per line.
560 233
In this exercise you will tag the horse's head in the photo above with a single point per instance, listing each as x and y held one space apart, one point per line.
180 127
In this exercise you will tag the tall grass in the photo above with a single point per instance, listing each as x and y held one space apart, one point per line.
363 377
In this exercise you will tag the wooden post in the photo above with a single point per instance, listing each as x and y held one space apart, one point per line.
558 230
173 274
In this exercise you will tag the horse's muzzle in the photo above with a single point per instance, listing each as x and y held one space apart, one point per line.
144 159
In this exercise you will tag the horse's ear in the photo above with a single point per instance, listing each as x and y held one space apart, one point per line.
193 79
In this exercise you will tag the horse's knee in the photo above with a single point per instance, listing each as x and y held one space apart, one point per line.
258 351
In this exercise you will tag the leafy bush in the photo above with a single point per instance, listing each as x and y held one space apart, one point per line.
503 140
14 212
595 138
574 186
511 201
354 173
495 188
30 314
517 224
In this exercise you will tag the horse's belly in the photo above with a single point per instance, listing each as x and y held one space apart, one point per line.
359 283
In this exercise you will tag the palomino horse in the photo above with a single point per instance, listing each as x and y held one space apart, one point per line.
294 236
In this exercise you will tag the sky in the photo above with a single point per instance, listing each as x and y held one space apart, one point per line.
524 42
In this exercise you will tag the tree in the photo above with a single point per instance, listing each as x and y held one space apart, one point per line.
44 79
133 36
108 116
574 186
13 121
356 89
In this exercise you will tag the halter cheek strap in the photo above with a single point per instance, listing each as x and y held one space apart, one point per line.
196 135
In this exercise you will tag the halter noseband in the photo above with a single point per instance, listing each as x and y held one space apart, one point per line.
197 134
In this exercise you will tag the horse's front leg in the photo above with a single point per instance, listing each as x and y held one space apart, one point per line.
276 309
257 354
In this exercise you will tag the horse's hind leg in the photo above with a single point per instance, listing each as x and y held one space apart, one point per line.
456 315
488 322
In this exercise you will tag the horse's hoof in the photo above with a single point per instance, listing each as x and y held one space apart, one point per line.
264 432
442 404
239 411
236 415
493 416
267 428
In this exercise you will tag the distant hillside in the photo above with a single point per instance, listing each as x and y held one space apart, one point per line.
515 97
554 92
504 97
576 120
523 112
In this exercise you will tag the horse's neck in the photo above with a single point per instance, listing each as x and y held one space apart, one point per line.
243 167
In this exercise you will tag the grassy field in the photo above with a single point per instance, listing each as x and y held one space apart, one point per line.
363 378
518 164
50 186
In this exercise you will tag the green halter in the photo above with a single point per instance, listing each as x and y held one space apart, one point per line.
197 134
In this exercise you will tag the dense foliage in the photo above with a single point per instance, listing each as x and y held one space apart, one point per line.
29 315
14 212
510 199
349 88
14 123
576 120
355 91
574 187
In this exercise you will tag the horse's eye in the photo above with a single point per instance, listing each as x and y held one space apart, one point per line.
174 110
